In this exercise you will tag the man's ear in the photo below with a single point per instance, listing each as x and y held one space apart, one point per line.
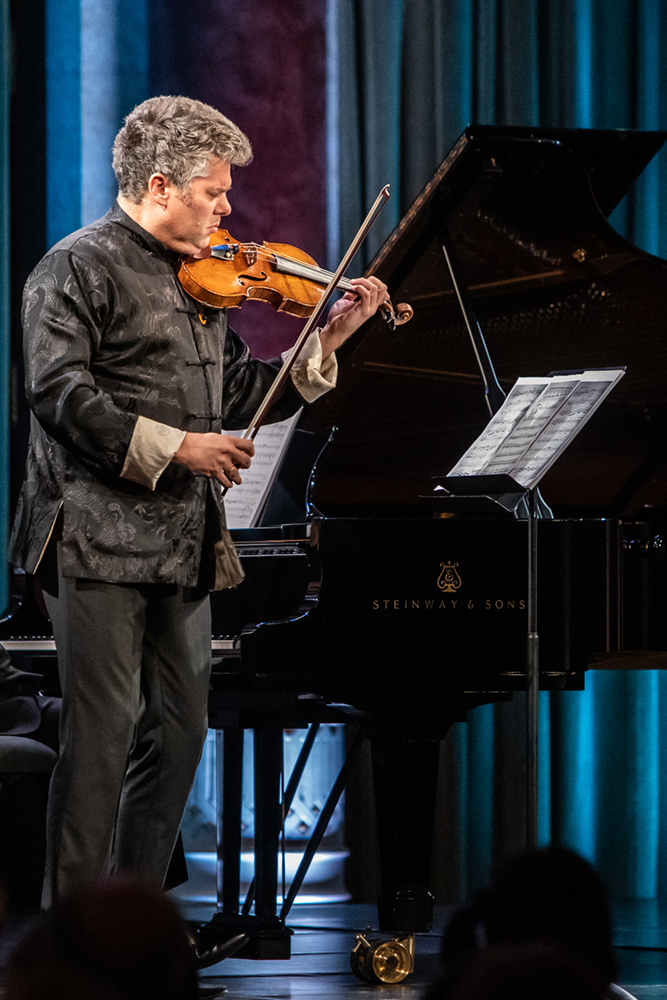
159 187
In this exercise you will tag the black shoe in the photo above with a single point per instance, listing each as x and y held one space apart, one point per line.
210 946
207 992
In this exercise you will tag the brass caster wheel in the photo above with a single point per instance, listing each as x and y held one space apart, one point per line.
383 961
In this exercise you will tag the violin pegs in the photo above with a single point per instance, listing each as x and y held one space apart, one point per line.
396 317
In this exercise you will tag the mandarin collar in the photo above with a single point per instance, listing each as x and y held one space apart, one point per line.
116 214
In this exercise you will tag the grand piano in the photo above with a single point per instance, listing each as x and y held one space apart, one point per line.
358 617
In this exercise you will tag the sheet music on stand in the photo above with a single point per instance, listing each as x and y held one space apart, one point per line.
534 426
245 504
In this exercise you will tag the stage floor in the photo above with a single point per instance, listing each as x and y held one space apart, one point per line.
324 935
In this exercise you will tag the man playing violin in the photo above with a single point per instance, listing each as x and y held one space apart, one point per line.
130 382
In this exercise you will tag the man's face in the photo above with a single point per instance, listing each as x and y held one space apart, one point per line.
191 214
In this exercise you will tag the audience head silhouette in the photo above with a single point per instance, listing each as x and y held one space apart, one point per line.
116 939
528 971
552 894
539 905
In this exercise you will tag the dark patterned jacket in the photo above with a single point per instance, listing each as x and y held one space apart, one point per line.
110 336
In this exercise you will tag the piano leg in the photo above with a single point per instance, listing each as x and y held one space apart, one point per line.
261 935
268 798
405 777
229 782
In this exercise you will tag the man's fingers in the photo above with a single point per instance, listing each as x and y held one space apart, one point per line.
239 450
371 291
234 475
240 459
228 477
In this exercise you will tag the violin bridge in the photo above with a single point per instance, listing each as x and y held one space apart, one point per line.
250 254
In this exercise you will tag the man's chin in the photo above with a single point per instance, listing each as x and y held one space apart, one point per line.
202 252
199 249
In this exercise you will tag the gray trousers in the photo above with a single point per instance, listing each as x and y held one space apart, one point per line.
134 662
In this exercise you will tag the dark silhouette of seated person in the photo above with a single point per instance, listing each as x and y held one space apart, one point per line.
23 710
31 721
547 897
116 939
529 971
28 752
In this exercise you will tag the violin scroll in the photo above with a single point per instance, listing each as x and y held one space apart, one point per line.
396 315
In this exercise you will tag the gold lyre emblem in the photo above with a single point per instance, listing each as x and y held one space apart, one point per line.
449 580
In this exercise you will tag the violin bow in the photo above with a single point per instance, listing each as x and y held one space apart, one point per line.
281 377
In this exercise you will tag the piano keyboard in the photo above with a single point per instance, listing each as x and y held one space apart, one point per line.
43 644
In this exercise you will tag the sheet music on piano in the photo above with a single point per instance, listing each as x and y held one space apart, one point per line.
535 424
244 504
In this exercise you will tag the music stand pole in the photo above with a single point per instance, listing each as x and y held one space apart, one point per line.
532 682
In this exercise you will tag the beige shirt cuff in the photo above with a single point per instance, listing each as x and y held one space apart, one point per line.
152 447
311 376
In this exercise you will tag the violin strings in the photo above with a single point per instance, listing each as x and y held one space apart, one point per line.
316 273
270 255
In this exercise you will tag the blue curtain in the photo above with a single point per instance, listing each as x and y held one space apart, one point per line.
96 71
405 77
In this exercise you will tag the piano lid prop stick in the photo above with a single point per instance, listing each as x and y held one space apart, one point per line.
282 375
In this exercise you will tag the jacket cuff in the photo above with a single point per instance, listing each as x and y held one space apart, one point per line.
311 376
152 447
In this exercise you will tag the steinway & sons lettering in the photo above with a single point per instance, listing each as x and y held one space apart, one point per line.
448 604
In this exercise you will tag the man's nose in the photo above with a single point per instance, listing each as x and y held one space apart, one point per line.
223 207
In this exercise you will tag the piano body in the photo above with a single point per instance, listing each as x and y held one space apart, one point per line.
553 286
415 619
410 619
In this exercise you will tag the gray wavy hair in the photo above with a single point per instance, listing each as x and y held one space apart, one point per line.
174 136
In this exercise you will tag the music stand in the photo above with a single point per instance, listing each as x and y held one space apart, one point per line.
533 427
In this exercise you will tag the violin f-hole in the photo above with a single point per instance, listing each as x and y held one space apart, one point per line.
261 276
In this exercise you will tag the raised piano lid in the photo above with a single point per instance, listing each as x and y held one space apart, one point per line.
553 286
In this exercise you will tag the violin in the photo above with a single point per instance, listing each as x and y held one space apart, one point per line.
274 272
